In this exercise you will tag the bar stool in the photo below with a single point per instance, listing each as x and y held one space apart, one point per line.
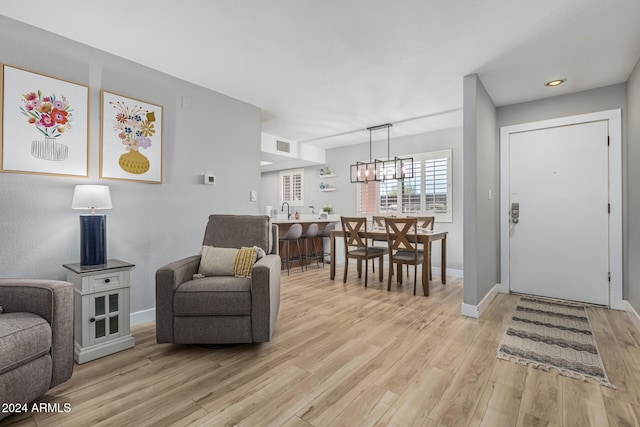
326 232
310 234
294 234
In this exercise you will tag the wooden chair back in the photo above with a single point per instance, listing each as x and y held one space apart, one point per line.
352 227
357 247
402 250
398 230
426 222
377 220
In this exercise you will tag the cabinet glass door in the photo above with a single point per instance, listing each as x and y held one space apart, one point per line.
114 313
105 316
99 317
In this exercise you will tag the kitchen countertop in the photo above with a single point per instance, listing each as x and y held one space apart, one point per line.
305 218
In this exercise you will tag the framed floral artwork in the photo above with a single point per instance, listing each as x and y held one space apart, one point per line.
130 139
45 124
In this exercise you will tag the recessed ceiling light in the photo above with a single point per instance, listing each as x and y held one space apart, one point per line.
555 82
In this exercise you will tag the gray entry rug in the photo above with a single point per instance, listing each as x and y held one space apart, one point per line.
553 334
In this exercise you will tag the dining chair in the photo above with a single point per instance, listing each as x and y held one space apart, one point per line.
426 223
357 247
403 250
378 222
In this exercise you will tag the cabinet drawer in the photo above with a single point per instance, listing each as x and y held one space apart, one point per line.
106 281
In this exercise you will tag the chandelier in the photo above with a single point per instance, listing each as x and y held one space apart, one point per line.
381 170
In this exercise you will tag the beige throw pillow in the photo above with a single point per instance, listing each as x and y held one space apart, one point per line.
228 261
217 261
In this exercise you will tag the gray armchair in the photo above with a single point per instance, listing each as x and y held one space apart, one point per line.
36 338
221 309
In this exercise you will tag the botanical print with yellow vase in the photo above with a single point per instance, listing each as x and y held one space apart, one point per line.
131 142
134 128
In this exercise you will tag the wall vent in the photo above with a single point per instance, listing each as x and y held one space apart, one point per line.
283 146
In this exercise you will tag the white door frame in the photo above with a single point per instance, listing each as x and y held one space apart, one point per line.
614 117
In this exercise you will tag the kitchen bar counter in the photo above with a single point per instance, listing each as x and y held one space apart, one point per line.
305 221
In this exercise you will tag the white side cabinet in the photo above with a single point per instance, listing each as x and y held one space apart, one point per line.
101 309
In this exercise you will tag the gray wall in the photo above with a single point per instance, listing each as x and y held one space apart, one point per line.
481 176
344 199
589 101
150 224
631 289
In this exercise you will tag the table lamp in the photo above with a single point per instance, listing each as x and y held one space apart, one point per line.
93 228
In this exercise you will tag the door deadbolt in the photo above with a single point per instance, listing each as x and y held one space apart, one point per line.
515 212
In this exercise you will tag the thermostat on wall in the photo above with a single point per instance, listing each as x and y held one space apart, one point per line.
209 178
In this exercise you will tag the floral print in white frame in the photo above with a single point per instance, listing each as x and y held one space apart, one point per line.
130 139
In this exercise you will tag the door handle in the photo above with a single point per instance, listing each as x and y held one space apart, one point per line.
515 212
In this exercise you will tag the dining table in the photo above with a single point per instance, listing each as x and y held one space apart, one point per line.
423 236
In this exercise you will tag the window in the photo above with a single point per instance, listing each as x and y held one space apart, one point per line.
427 193
292 187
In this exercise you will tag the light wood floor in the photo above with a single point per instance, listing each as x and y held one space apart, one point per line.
343 355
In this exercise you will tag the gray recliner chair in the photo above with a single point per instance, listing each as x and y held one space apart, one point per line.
221 309
36 338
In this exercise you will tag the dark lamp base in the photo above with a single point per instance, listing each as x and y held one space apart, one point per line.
93 240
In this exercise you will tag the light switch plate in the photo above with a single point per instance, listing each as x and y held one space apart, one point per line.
253 196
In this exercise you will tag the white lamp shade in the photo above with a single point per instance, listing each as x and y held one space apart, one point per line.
91 197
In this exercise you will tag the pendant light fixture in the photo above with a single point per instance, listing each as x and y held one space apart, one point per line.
381 170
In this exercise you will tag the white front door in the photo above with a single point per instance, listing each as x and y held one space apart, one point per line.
559 183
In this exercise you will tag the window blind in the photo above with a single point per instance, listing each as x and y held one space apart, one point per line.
428 192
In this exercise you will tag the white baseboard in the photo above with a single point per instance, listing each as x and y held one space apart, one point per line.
476 311
143 316
470 310
633 314
620 304
450 272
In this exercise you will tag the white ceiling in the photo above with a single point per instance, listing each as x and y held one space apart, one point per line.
322 71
